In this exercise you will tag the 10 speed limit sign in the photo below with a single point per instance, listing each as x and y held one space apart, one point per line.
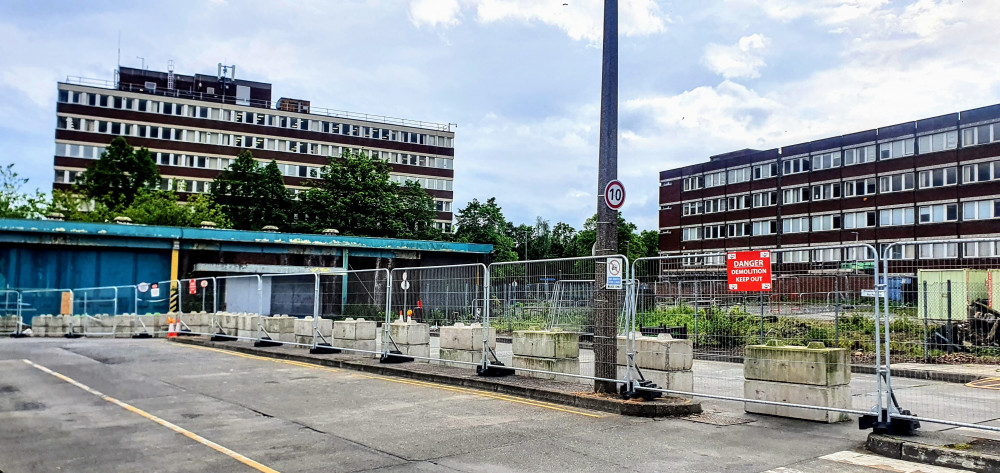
614 194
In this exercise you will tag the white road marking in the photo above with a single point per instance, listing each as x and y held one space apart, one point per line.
887 464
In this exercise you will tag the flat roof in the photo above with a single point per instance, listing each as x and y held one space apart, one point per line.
155 232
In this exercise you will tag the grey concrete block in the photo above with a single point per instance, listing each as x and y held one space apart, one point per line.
467 337
550 367
821 396
410 333
546 344
797 364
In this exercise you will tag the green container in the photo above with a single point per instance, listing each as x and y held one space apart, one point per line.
967 285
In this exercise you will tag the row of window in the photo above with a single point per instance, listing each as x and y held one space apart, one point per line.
972 136
67 176
242 141
937 213
256 118
985 249
928 179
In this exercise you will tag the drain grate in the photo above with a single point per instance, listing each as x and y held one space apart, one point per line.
714 418
987 383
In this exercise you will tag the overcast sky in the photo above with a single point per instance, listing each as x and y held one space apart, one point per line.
521 78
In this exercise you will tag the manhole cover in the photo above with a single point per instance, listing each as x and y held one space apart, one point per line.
718 419
986 383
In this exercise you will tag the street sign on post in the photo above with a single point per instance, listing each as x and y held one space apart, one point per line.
192 286
204 283
614 273
142 287
749 271
154 290
614 194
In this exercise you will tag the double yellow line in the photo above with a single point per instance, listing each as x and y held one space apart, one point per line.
424 384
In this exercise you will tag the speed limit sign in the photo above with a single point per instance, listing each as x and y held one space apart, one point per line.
614 194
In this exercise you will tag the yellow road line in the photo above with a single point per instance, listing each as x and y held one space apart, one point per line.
135 410
443 387
985 383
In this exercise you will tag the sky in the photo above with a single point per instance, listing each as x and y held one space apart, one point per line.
521 79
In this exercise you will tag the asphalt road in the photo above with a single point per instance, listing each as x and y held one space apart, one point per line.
149 405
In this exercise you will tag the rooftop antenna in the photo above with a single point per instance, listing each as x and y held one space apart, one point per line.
119 57
170 74
142 63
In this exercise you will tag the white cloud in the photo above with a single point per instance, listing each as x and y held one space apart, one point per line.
741 60
580 19
434 13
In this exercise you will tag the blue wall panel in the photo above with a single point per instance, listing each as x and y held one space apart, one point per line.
40 267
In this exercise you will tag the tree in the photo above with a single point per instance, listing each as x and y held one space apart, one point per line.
252 196
648 243
116 178
562 240
14 204
484 223
356 196
155 207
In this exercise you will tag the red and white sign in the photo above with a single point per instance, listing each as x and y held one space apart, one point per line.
203 283
192 286
749 271
614 194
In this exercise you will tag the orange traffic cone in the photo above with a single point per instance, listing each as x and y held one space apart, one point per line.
171 328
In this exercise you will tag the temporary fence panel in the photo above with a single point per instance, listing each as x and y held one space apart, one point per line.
567 295
436 296
944 321
238 301
816 294
354 295
10 312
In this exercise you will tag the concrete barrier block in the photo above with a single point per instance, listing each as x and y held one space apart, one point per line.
287 337
364 345
546 343
662 353
450 355
40 321
674 380
467 337
551 366
279 325
797 364
422 350
354 329
410 333
838 396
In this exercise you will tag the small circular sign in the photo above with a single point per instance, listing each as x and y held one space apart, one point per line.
143 287
404 285
404 275
615 267
614 194
204 283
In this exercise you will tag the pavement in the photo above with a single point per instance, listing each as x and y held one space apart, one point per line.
149 405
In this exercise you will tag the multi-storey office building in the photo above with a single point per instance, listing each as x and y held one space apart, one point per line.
931 179
196 125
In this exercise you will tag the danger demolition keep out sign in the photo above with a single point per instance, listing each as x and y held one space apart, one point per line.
749 270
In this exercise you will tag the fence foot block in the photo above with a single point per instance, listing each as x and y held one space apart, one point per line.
266 342
894 426
395 356
73 335
223 337
494 370
324 349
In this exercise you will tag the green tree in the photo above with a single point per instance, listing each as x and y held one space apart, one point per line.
76 207
482 222
562 240
120 173
155 207
355 195
648 243
252 196
14 203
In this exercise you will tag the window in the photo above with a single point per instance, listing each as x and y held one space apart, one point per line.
826 191
715 179
768 227
795 225
938 178
893 217
691 234
938 213
739 202
765 171
826 161
895 149
896 183
860 187
714 232
826 254
899 251
980 135
825 222
735 176
982 249
937 142
797 256
981 210
939 250
715 205
741 229
692 208
694 183
859 219
765 199
980 172
795 195
795 165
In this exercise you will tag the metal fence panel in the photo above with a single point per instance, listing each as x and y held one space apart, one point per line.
943 303
10 312
817 295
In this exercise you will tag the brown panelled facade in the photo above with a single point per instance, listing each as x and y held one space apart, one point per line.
931 179
194 132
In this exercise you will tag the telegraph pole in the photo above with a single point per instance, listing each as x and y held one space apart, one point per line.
605 313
